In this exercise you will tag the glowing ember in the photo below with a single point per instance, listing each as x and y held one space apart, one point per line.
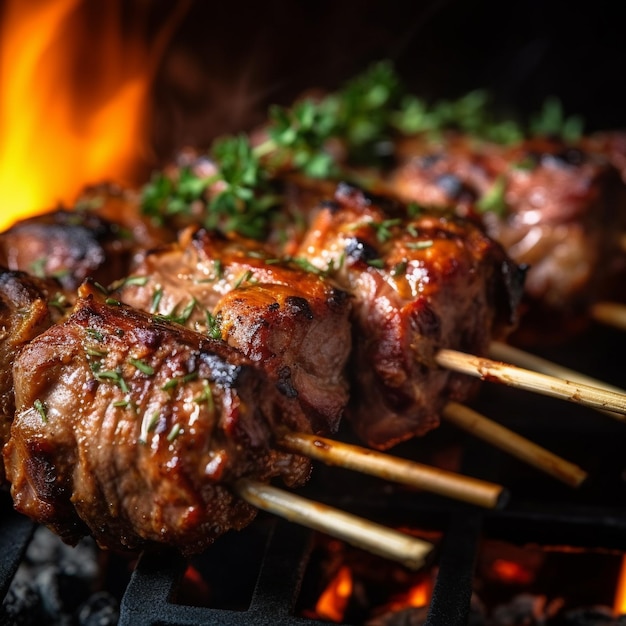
333 602
511 572
417 596
74 103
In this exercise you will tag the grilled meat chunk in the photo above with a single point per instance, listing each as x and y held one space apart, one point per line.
28 306
67 245
132 428
293 323
419 284
554 207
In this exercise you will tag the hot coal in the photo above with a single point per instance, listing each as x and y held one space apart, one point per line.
57 585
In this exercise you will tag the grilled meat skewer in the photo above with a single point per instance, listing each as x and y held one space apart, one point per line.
418 285
131 428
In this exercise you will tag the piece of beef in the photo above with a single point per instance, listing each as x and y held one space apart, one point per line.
67 245
555 207
28 306
132 428
293 323
419 284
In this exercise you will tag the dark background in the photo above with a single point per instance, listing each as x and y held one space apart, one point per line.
226 62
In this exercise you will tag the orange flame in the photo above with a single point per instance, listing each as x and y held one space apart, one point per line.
334 600
619 604
74 102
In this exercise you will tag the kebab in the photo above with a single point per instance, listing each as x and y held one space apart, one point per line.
573 472
33 366
351 528
9 448
167 441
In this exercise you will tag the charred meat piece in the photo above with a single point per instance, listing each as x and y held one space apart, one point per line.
67 245
28 306
132 428
419 284
554 207
293 323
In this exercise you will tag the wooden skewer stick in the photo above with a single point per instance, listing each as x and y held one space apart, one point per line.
385 466
504 352
516 445
610 313
513 376
386 542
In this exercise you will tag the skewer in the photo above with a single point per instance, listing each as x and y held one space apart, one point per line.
442 482
504 352
504 373
386 542
610 313
516 445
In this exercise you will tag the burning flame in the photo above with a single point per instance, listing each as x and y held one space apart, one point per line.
619 604
74 103
334 600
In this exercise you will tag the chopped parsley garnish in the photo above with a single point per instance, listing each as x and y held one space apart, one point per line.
213 325
384 229
206 395
112 375
246 277
174 432
148 424
179 318
494 200
419 245
41 409
156 299
95 333
142 366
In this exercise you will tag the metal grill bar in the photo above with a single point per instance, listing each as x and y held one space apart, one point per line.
16 532
148 600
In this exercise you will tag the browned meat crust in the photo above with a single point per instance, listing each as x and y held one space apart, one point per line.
67 245
419 284
293 323
131 428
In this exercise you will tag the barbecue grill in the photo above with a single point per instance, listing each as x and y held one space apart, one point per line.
263 571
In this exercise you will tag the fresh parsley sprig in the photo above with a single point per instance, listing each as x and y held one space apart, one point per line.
364 116
238 197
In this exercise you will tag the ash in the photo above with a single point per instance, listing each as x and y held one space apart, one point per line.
58 585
